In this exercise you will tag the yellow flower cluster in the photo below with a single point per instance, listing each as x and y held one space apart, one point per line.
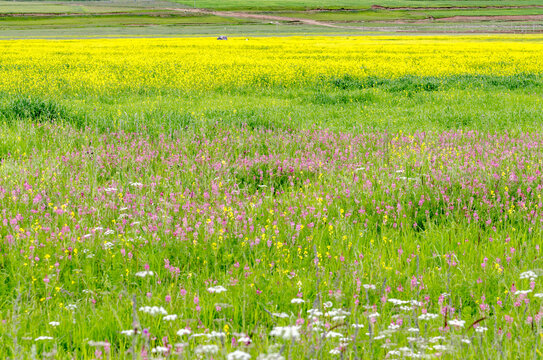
112 65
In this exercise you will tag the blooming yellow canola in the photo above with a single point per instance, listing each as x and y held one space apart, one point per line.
111 65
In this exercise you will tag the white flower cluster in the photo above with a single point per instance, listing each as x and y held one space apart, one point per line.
528 275
238 355
459 323
144 274
216 289
405 302
286 332
184 332
428 316
207 349
40 338
153 310
160 350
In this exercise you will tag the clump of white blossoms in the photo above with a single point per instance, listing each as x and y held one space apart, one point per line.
216 335
459 323
333 334
40 338
528 275
206 349
183 332
153 310
286 332
160 350
315 312
428 316
144 273
216 289
238 355
171 317
297 301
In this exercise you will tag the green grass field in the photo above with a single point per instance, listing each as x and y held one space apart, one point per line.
346 4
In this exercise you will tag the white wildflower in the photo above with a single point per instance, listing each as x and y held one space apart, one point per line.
40 338
335 352
159 350
216 289
369 286
280 315
238 355
98 343
528 275
54 323
327 304
153 310
206 349
374 315
171 317
216 335
286 332
523 292
481 329
428 316
459 323
436 339
183 332
297 301
398 301
333 334
130 332
144 273
314 312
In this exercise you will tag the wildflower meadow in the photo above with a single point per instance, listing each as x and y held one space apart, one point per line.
208 229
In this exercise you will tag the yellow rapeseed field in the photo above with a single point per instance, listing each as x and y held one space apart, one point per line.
108 66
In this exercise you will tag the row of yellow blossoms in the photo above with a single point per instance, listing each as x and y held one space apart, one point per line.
109 65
